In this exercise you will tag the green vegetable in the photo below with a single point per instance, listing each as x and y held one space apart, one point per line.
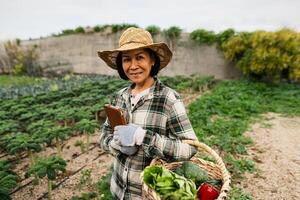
168 184
193 172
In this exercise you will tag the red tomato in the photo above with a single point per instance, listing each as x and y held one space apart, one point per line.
207 192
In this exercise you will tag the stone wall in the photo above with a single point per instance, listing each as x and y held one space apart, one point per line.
79 54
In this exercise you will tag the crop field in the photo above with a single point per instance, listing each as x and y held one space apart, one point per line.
49 130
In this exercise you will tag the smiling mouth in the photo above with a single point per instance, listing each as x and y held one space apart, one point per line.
135 74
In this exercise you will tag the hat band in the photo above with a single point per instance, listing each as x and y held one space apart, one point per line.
134 42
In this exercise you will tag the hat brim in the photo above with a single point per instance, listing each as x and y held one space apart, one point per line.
161 49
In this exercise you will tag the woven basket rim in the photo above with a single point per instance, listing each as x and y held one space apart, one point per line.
225 176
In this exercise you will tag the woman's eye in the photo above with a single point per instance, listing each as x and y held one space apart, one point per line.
126 59
140 57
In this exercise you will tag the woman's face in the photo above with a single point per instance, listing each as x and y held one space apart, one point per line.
137 65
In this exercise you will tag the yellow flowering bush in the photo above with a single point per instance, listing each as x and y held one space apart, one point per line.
271 55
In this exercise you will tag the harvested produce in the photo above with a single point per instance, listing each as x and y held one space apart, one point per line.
193 172
207 192
169 185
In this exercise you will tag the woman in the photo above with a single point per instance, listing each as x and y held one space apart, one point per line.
157 120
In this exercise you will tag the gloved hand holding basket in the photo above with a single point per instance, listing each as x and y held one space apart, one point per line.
216 171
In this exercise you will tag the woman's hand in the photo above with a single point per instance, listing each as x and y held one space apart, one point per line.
115 144
129 135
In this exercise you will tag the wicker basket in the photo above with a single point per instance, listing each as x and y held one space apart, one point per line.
215 171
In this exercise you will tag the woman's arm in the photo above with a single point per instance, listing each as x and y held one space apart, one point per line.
178 128
106 138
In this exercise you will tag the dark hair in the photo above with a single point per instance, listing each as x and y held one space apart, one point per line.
154 69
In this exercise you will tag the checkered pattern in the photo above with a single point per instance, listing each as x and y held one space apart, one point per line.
162 114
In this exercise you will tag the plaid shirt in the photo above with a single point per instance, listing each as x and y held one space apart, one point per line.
162 114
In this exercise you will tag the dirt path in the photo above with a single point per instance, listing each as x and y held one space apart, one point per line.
276 151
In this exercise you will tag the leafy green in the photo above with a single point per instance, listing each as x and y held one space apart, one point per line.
49 166
103 186
193 172
7 183
168 184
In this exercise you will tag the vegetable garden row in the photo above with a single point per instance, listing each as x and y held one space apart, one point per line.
35 123
38 133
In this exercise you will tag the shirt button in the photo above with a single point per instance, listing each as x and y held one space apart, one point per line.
132 104
125 169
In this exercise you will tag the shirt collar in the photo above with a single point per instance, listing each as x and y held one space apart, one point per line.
154 89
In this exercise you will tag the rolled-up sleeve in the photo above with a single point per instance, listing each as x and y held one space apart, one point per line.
106 138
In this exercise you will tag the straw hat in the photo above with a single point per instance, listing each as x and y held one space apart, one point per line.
136 38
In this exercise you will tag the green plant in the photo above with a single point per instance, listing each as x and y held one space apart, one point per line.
47 167
237 193
224 36
59 134
85 178
86 196
23 61
153 30
173 32
67 32
81 145
24 142
103 187
99 28
97 108
79 29
18 41
239 166
65 114
193 172
87 127
7 183
203 36
271 56
168 184
221 117
119 27
7 126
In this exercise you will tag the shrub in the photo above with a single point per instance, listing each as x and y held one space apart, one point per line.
119 27
22 60
18 41
79 29
154 30
272 56
99 28
224 36
67 32
203 36
173 32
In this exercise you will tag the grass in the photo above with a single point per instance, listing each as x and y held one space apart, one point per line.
8 81
221 117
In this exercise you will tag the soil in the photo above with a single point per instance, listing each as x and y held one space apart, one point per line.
77 161
276 151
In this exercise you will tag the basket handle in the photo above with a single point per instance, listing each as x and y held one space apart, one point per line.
225 174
